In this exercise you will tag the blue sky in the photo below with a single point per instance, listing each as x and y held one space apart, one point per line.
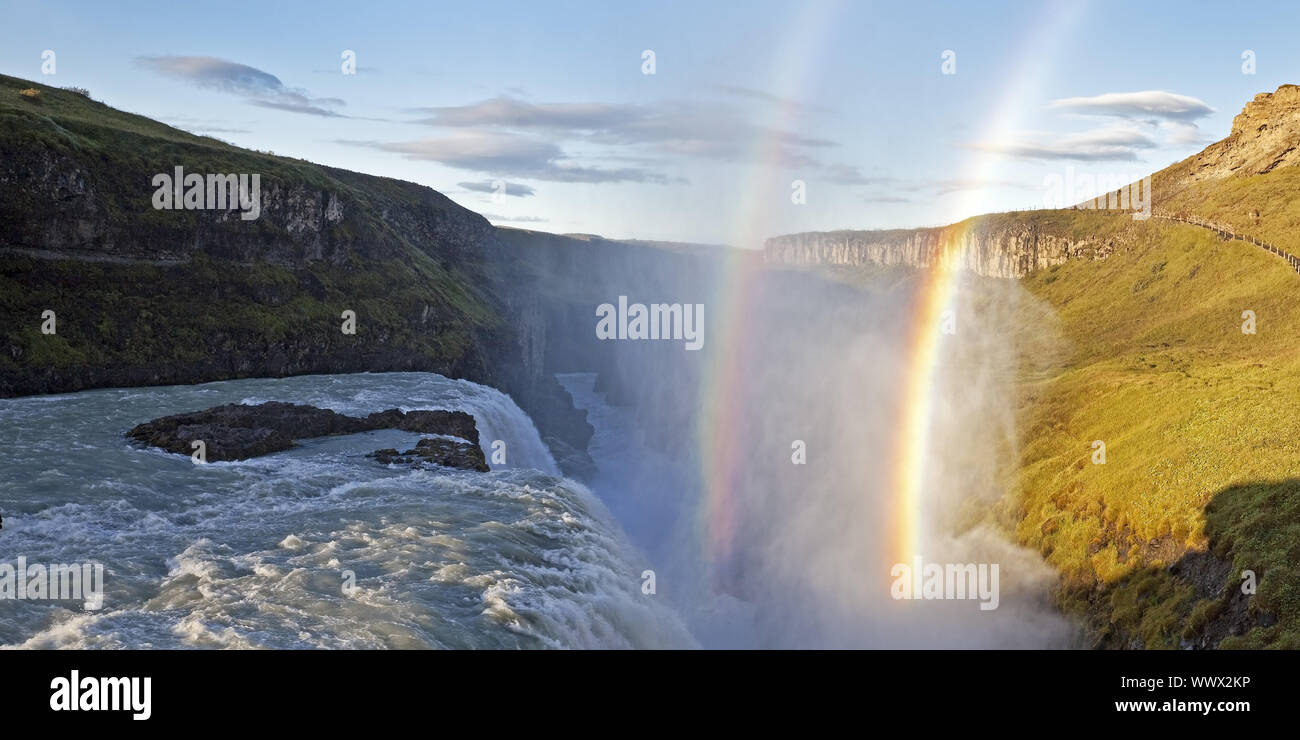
550 99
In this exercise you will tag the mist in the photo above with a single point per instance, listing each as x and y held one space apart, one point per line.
778 554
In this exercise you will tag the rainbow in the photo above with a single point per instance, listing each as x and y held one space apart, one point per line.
938 290
733 302
725 378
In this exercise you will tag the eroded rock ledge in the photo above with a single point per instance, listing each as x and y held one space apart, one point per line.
238 431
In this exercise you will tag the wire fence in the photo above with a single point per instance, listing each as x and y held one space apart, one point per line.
1227 232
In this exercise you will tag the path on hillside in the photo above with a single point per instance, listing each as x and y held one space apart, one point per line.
1227 233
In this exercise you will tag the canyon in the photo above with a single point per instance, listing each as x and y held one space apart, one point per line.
148 297
155 297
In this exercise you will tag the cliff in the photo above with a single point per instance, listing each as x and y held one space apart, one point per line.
1264 137
999 245
147 296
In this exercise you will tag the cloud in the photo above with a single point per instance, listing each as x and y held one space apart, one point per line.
1145 104
1184 134
557 141
957 185
477 150
1149 120
512 113
842 174
218 130
930 189
675 129
515 219
259 88
509 155
202 124
766 97
1111 143
490 186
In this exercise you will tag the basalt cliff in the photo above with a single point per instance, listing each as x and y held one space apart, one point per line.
1008 245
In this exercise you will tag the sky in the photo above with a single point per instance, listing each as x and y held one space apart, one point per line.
755 119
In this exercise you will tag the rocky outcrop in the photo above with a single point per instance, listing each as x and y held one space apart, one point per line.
1264 137
239 431
448 453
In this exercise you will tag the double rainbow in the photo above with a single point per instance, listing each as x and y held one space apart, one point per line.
734 332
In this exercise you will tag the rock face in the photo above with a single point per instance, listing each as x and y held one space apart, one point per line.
993 249
413 266
449 453
1265 136
238 432
572 462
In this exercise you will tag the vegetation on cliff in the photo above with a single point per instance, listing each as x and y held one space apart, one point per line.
1201 426
146 296
1184 361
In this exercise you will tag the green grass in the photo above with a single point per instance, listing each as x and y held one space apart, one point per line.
1262 206
1190 409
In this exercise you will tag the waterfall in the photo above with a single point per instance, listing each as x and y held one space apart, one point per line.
499 418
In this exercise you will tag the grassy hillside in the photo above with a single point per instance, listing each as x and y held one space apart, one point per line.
1201 424
149 296
1263 206
116 146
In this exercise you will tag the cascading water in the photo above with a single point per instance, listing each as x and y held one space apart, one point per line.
318 546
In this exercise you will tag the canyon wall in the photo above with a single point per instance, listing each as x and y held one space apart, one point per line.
999 245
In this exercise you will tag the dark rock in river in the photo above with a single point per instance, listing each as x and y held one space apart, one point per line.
451 453
238 432
454 423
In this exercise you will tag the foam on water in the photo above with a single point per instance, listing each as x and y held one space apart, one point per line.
257 553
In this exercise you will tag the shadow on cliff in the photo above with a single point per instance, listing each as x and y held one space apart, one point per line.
1242 591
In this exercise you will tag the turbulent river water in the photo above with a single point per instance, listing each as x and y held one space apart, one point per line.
318 546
